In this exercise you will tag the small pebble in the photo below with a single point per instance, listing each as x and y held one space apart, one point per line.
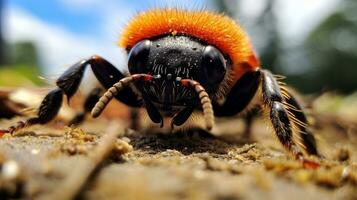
10 170
35 151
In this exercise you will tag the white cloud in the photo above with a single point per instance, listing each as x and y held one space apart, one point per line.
58 47
297 18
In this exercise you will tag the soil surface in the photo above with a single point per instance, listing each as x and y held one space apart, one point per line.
87 162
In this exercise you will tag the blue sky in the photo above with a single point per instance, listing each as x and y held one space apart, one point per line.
65 31
87 16
78 22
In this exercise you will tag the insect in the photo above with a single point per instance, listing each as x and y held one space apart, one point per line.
183 62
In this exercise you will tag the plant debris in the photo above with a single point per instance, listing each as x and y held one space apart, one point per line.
102 160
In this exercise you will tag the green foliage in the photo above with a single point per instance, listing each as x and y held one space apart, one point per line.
22 68
20 75
24 53
332 51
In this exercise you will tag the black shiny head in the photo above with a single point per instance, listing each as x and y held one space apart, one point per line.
171 58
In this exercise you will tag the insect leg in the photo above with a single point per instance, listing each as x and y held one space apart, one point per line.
49 108
273 100
105 73
300 122
88 105
68 83
248 120
239 96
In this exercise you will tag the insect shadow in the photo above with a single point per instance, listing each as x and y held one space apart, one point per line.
188 142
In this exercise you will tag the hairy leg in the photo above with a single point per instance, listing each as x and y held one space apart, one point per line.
281 118
68 83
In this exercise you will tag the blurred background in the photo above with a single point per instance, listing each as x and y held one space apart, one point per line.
312 42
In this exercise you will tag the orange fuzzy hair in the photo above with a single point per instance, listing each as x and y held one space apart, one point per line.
215 29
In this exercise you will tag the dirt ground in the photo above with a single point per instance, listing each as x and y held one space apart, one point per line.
55 162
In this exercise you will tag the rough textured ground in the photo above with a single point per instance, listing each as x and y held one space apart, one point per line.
54 162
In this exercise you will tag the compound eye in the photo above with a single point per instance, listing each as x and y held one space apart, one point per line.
138 57
213 66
